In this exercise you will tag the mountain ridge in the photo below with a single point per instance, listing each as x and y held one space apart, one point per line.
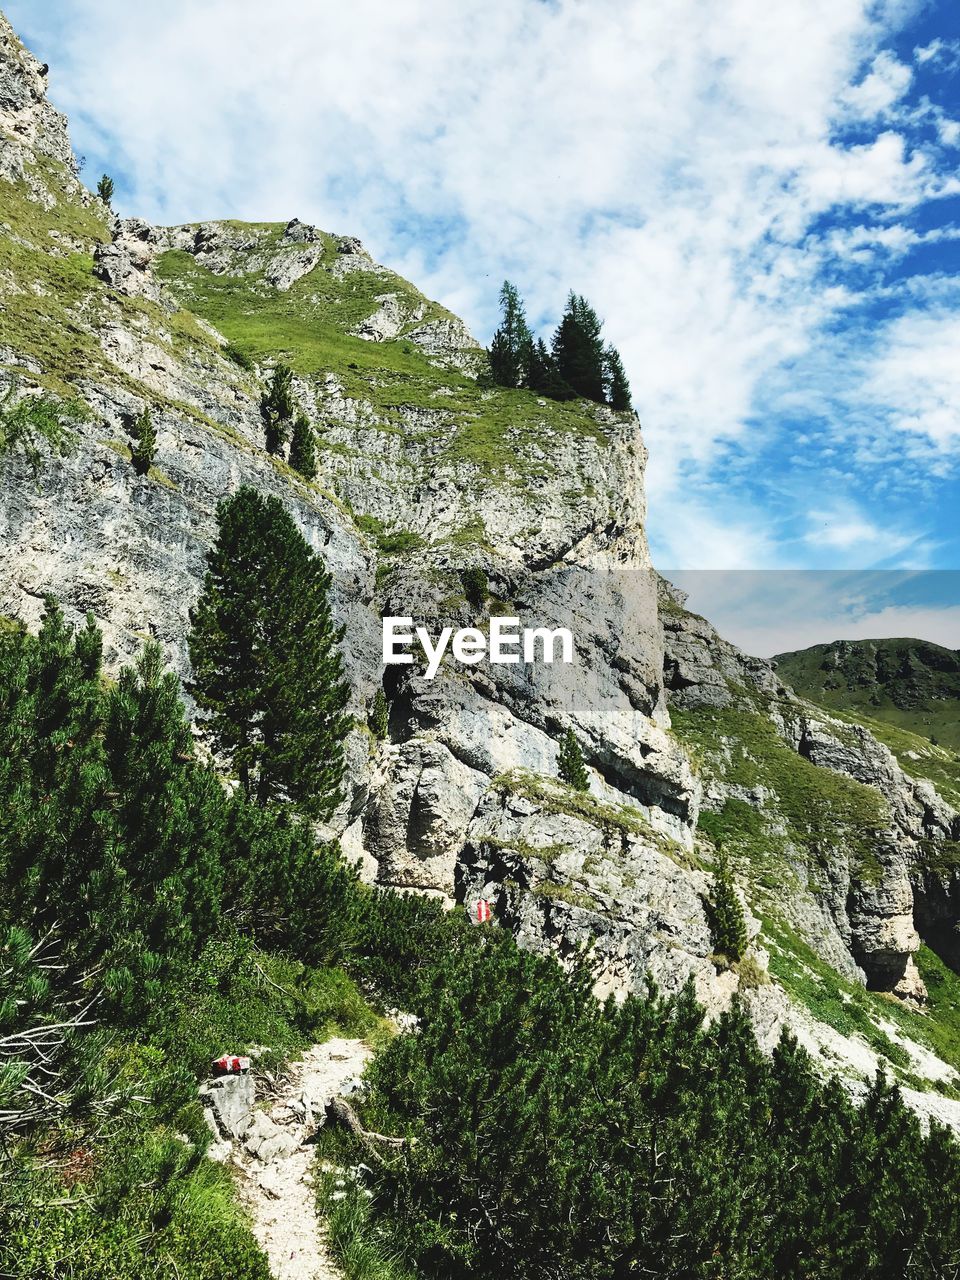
912 684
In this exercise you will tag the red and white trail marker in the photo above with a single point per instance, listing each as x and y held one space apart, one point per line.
483 911
230 1064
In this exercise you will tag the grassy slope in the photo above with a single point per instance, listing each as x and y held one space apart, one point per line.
45 297
912 685
53 308
810 810
820 810
499 431
906 692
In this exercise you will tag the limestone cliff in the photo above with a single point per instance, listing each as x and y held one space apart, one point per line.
424 472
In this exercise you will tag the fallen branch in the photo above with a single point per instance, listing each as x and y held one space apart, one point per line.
339 1111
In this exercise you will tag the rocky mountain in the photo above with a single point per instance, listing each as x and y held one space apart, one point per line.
845 857
910 684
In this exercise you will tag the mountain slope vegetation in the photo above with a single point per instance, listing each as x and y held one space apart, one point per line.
604 916
910 684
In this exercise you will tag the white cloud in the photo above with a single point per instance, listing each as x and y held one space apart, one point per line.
774 612
783 633
862 243
847 530
887 82
943 54
703 536
914 376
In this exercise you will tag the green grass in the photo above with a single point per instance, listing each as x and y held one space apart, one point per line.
44 315
53 308
389 542
556 892
850 1009
822 812
554 796
357 1235
912 685
497 432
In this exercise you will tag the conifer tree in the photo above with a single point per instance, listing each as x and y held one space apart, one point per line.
379 716
503 370
145 442
303 454
571 767
105 189
266 661
171 811
512 344
543 376
578 349
277 408
727 925
617 386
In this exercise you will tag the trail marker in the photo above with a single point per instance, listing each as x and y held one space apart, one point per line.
230 1064
483 911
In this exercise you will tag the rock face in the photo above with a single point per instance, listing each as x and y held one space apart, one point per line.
427 477
868 911
29 123
568 873
228 1103
125 263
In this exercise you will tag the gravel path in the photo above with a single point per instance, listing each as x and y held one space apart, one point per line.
279 1195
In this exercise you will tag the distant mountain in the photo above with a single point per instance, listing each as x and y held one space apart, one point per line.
912 684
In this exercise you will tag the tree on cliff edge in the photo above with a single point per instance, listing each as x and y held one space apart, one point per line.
266 660
728 927
512 343
570 765
277 408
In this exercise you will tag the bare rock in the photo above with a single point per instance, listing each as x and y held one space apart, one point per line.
126 263
266 1141
228 1103
300 232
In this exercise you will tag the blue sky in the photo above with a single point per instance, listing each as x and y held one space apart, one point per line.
761 198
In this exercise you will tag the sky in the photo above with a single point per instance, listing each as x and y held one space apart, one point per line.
761 198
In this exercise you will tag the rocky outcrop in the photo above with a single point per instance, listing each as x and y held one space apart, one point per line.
225 248
30 126
228 1103
869 908
571 875
125 264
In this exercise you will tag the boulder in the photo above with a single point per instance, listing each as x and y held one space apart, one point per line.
228 1103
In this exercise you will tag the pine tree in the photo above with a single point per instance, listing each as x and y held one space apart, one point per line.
303 455
379 720
503 369
728 927
266 661
617 386
512 344
543 376
105 189
571 767
277 408
171 811
145 442
578 349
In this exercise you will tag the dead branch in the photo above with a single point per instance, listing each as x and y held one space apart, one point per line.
339 1111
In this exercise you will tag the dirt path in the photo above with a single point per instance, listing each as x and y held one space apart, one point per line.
278 1191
